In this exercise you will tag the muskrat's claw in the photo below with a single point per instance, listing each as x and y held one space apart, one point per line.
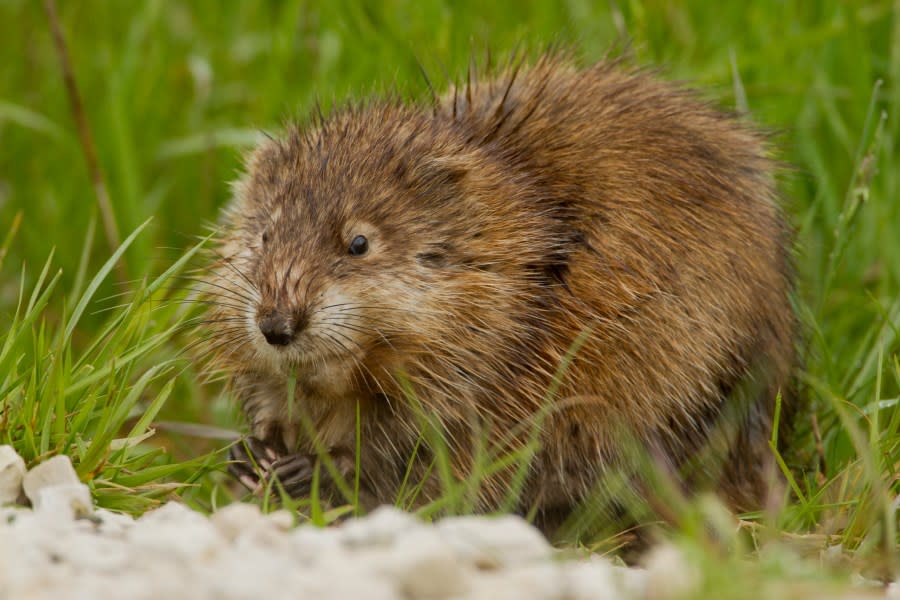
295 474
251 462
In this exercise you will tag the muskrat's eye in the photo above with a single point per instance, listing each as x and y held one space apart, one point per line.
359 246
265 237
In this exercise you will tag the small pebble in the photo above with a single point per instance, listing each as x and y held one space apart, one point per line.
534 582
111 523
380 528
669 575
282 519
312 545
423 566
54 471
493 543
231 520
591 579
12 471
176 532
71 500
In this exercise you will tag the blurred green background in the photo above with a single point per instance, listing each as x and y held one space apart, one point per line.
174 91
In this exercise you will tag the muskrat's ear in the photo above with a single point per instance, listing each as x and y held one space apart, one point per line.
265 168
442 178
451 169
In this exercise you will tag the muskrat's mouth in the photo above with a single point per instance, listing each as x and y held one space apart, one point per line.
305 357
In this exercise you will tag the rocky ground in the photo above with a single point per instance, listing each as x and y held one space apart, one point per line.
62 547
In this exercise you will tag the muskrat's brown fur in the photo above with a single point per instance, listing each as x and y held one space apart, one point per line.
513 216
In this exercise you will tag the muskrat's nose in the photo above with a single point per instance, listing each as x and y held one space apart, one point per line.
277 329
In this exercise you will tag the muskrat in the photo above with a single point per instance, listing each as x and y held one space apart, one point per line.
591 254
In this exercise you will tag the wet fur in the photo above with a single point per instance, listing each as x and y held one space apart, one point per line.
519 211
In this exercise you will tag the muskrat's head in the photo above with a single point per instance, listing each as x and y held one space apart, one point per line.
381 236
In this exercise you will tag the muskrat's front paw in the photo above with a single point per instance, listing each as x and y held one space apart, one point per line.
255 464
251 461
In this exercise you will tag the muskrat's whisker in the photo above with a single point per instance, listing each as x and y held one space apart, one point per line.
209 288
346 352
230 335
360 329
352 327
207 295
375 307
330 306
229 262
335 347
213 321
128 292
211 302
353 315
418 311
208 344
364 322
344 336
107 309
129 283
241 285
238 293
229 343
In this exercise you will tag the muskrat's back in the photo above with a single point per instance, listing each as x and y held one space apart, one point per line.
445 260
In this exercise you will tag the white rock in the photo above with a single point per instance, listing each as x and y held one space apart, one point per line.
258 573
111 523
174 532
378 529
169 513
63 501
10 514
231 520
245 525
160 578
96 554
263 534
421 565
633 581
669 574
33 546
893 591
534 582
57 470
312 545
493 543
592 580
282 519
12 471
336 585
832 555
249 573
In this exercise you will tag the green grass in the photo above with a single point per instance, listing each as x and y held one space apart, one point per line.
174 91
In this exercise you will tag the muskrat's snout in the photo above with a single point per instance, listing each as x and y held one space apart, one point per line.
279 327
